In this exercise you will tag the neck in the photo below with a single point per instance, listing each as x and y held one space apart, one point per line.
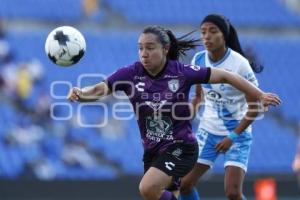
156 70
217 54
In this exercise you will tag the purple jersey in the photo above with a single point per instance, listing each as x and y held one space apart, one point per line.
161 103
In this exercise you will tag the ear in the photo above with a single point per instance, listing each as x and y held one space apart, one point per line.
166 49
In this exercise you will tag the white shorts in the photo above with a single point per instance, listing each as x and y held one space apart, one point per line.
237 155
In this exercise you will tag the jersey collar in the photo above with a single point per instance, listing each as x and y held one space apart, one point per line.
215 64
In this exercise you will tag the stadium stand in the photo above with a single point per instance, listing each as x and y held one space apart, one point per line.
268 13
33 145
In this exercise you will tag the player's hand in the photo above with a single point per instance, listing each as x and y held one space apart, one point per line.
224 145
269 99
296 164
74 94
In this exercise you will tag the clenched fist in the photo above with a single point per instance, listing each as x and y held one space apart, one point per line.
74 94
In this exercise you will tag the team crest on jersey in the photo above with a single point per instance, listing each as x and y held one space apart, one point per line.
173 85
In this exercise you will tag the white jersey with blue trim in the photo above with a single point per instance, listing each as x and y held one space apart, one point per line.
224 105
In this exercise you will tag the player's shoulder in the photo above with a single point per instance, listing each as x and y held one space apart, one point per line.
129 70
198 56
135 67
243 66
175 64
238 58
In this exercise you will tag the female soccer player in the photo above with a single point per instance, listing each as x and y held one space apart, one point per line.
225 126
158 87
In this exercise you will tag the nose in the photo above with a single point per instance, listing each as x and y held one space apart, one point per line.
144 53
206 36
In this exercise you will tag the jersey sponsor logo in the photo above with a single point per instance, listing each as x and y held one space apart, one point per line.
140 86
162 125
216 98
169 165
173 85
222 87
250 77
213 95
170 76
159 128
195 67
140 77
156 105
177 152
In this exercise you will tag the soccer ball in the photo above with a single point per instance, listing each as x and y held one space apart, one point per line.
65 46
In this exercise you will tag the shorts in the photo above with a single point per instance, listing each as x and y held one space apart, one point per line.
176 161
237 155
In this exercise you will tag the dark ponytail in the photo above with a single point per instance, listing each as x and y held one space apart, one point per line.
234 43
231 37
178 46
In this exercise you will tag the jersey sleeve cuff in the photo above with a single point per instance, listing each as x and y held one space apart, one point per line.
208 73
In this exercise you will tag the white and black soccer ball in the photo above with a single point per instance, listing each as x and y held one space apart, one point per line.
65 46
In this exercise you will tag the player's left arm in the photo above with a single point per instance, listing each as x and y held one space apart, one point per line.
254 108
253 95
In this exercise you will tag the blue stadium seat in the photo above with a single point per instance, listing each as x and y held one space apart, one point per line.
53 10
269 13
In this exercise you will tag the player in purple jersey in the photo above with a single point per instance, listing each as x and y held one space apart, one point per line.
158 87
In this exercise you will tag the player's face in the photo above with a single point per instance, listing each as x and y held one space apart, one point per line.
152 54
213 38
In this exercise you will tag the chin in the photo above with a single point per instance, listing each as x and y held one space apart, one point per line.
209 48
148 66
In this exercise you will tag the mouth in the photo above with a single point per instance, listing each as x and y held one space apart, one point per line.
208 44
145 62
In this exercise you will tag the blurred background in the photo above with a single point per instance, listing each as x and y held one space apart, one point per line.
43 159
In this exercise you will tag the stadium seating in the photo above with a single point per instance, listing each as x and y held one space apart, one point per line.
31 146
268 13
54 10
126 151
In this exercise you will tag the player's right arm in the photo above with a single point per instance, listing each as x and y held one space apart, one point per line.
118 81
90 93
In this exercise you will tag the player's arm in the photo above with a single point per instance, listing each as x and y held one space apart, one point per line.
253 110
296 162
249 89
90 93
196 100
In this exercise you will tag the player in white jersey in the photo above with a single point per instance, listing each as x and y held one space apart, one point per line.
225 123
